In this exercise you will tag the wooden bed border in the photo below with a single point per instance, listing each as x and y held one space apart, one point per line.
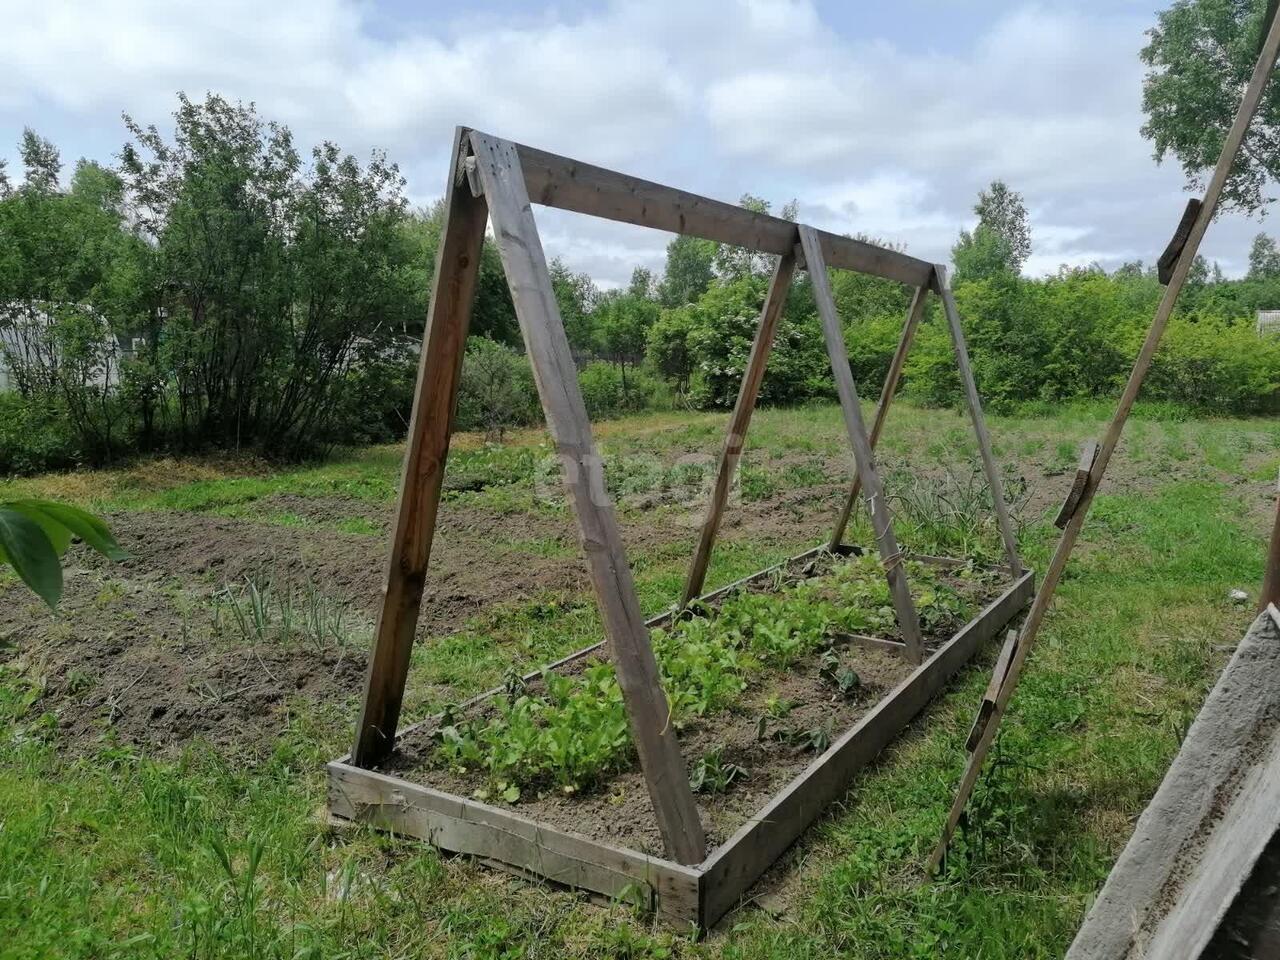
689 897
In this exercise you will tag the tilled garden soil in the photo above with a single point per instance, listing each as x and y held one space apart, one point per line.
619 810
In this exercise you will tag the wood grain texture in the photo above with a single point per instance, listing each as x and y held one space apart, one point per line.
466 826
733 867
974 404
556 376
739 422
877 507
914 314
1053 574
430 426
556 181
1271 575
1088 454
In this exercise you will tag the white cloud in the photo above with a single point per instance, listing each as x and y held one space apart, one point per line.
752 95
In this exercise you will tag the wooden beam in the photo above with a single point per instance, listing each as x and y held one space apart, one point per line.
556 181
556 377
500 836
974 403
1044 597
914 314
430 425
733 867
1271 576
881 519
731 452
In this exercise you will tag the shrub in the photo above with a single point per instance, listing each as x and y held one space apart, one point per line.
497 390
35 435
606 395
1214 365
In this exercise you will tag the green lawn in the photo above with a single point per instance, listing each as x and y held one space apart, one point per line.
205 851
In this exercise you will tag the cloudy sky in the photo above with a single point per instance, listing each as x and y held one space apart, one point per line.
882 119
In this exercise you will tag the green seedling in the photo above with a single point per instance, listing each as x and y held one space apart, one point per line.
713 774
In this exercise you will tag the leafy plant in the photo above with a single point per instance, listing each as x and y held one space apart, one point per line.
714 774
34 534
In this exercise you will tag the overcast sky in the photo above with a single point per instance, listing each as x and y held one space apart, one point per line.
882 119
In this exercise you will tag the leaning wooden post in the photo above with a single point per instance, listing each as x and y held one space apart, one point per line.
1044 597
516 235
730 453
1271 577
891 380
430 424
881 521
989 467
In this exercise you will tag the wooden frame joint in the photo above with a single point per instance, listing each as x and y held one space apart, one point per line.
1084 471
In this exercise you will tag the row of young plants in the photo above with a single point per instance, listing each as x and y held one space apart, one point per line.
574 732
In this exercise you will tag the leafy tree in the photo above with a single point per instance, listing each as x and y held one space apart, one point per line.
689 271
1002 239
1264 259
496 391
576 295
643 284
1200 56
622 322
981 255
667 346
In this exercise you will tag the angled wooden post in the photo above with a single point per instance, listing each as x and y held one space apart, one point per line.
516 234
1044 596
974 403
439 367
774 301
914 314
881 520
1271 574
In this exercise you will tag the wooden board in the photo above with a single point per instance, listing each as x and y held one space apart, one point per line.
692 896
891 380
1088 454
556 181
468 826
877 506
989 467
430 426
731 452
750 851
556 376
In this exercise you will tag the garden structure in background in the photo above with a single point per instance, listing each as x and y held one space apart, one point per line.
831 630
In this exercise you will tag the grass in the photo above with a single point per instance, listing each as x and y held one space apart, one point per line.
208 855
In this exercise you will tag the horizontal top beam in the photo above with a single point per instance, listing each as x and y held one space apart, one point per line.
556 181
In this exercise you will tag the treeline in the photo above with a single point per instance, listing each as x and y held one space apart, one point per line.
216 289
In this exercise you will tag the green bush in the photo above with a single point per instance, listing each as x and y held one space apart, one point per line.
1213 365
35 435
497 390
606 394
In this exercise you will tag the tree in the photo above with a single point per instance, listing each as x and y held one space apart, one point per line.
576 295
622 322
643 284
496 391
1201 54
982 254
41 160
733 263
689 271
1264 259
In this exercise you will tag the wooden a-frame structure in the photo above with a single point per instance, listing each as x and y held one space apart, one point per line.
496 180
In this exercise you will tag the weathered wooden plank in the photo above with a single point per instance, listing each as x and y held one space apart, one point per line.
466 826
881 518
1088 454
974 403
733 867
1271 575
739 422
516 236
988 704
556 181
430 425
891 380
1053 574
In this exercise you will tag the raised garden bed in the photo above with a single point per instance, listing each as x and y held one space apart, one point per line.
782 687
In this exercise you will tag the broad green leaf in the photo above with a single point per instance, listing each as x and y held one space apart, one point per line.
84 525
27 549
59 536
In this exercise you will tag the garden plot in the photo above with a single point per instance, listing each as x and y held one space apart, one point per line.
780 687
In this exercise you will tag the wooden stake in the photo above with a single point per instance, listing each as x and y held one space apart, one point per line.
730 453
914 315
881 520
1271 578
989 467
1040 606
439 367
556 376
